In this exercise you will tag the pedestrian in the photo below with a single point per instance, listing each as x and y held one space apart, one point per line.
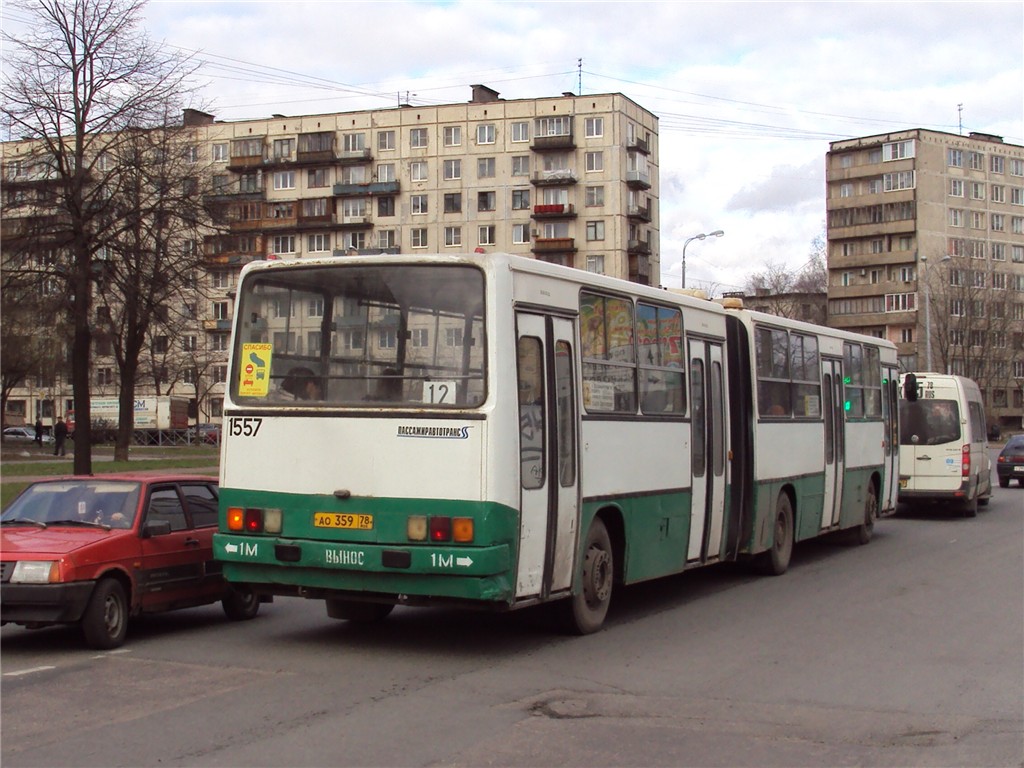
60 434
39 431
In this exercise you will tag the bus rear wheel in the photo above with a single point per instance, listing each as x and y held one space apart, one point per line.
775 561
589 605
862 533
357 611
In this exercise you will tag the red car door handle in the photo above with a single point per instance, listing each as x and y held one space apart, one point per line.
191 542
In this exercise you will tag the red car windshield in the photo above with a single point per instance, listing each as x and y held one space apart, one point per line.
110 503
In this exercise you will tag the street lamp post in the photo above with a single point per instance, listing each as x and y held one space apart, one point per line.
701 236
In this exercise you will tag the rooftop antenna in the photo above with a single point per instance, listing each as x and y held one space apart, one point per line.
579 76
960 117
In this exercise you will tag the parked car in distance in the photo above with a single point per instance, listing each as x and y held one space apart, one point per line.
25 435
1010 464
205 433
96 551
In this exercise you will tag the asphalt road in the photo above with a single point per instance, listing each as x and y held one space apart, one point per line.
906 652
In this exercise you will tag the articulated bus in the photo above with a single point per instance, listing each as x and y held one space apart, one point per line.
496 432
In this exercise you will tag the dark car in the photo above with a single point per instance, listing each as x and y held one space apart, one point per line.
1010 464
95 551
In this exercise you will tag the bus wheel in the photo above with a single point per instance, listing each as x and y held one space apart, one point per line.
589 606
863 532
354 610
241 603
105 621
775 561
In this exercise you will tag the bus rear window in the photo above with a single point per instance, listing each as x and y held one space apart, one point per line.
354 335
929 422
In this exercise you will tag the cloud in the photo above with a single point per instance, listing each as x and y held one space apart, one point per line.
786 188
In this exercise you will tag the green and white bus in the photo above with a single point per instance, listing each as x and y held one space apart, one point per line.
497 432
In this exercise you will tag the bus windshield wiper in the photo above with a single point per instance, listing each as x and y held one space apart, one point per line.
24 521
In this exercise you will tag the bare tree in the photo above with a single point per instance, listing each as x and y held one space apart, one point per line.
80 77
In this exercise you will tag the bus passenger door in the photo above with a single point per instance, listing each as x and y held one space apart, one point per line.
834 442
546 385
707 450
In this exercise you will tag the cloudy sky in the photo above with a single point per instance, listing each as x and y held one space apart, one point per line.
749 94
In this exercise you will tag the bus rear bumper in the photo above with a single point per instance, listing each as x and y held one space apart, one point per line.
285 566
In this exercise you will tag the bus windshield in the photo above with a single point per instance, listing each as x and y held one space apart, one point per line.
361 335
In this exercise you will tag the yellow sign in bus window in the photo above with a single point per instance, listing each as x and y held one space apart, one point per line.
254 370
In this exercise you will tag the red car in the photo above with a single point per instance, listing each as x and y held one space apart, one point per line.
95 551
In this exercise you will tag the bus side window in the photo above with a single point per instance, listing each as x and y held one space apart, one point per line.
530 368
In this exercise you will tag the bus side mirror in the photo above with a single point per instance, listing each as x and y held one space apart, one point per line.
910 388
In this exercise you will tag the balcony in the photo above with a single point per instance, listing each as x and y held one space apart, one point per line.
363 190
558 178
638 247
240 163
279 222
639 212
354 157
557 142
389 251
554 211
353 221
554 245
640 269
216 325
638 179
638 145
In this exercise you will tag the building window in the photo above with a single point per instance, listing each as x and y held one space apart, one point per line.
189 343
874 186
1016 167
485 134
452 236
418 138
420 337
387 238
976 161
284 180
453 135
956 217
319 243
907 335
520 233
595 230
846 189
220 153
283 244
594 197
317 177
554 126
219 342
977 220
900 302
486 201
595 161
977 190
452 169
485 168
595 263
385 206
283 148
997 163
418 236
487 235
104 376
998 193
418 204
957 308
520 199
385 140
520 165
418 170
520 132
593 127
453 202
453 337
998 224
955 158
1016 195
892 182
897 150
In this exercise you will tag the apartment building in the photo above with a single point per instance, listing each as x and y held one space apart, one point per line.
568 179
926 249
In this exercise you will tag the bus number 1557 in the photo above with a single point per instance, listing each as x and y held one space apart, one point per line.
244 426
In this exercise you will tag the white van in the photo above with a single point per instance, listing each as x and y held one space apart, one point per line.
943 443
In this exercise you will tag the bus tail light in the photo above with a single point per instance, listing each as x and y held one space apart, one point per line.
253 522
462 529
440 529
416 528
965 461
236 518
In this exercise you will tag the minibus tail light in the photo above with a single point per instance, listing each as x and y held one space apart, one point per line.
965 461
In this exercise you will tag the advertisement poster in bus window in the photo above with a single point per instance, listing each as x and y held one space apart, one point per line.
254 370
659 336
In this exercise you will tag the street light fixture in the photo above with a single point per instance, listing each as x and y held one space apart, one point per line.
701 236
928 309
